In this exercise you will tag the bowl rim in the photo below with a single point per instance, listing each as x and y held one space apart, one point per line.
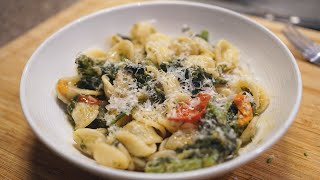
204 172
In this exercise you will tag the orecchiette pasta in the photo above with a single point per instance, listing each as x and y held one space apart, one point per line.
135 145
180 139
86 139
226 54
185 46
107 86
123 48
108 155
157 48
206 62
159 104
95 53
83 114
143 132
260 97
205 48
141 31
66 89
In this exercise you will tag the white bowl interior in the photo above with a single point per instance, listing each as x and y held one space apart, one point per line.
269 60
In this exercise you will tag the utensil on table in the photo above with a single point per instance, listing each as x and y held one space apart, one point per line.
308 48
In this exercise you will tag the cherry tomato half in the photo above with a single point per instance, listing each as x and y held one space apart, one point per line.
193 111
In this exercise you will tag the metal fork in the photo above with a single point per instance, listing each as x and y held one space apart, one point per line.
308 48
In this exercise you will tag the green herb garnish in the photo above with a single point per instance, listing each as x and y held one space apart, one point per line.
117 118
269 159
204 35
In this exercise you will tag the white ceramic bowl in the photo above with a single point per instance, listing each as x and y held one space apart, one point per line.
269 59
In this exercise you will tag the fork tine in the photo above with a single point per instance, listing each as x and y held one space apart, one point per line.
304 39
293 38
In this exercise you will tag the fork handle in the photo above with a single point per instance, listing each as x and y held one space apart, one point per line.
316 59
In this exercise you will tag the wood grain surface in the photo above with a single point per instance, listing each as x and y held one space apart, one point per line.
23 156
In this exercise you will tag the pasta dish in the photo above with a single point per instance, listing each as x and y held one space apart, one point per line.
157 104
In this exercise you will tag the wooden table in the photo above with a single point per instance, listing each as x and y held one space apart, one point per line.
23 156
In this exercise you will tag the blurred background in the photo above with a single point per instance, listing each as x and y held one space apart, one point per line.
18 16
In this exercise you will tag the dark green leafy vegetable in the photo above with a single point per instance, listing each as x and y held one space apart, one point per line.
97 123
87 66
162 165
214 112
111 71
173 65
199 77
157 94
217 142
90 82
138 71
232 112
203 153
220 81
92 70
72 105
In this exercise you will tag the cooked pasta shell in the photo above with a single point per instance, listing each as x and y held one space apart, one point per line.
206 62
107 86
162 145
66 89
125 151
139 163
161 154
157 48
134 144
171 126
144 132
169 83
226 54
96 53
115 39
204 47
261 99
185 46
141 31
139 53
224 91
250 131
86 139
83 114
149 118
124 48
179 139
108 155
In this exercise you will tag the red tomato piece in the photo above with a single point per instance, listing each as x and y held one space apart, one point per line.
193 111
88 99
